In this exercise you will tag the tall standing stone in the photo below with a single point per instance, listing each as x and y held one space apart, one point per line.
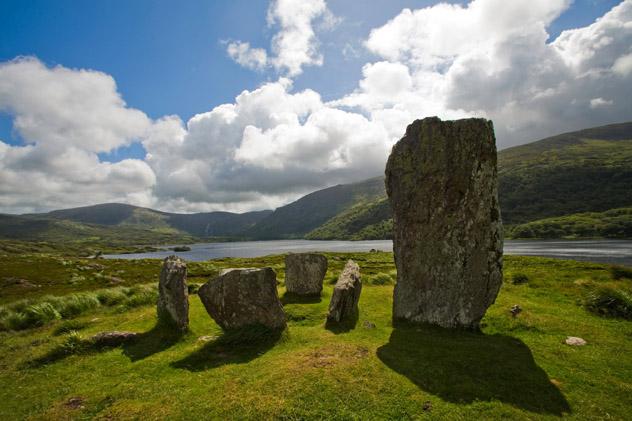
441 179
173 294
304 273
343 306
239 298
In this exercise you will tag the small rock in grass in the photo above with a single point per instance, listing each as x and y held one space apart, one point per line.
75 403
427 406
515 310
206 338
368 325
113 338
575 341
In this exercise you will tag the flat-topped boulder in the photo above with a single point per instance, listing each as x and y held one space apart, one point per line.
343 306
304 273
241 297
441 179
173 293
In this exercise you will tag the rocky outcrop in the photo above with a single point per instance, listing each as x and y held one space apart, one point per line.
241 298
441 179
173 293
304 273
343 306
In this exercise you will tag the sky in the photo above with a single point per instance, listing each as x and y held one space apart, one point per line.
249 104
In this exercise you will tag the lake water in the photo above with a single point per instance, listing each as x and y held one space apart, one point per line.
602 251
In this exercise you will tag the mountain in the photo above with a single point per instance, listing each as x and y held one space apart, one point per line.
363 221
584 171
207 224
311 211
542 186
70 233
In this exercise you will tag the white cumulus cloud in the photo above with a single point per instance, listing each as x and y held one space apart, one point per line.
489 58
295 44
65 117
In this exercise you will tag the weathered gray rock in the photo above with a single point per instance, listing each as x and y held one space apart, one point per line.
304 273
173 293
113 338
574 341
344 301
239 298
441 179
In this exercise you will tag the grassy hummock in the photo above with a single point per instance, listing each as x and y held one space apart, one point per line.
514 368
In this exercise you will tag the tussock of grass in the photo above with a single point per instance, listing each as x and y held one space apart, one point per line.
610 302
27 314
68 326
519 278
620 272
383 278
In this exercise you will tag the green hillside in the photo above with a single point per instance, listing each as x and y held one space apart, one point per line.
202 225
311 211
585 171
363 221
614 223
84 236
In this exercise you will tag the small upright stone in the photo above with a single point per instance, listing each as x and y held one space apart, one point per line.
304 273
344 301
239 298
173 293
441 179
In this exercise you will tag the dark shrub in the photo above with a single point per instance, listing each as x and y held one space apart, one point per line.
519 278
610 302
620 272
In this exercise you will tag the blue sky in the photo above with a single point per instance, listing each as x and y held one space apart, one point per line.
170 58
167 57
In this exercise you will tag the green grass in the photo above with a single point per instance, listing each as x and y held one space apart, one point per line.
516 368
30 313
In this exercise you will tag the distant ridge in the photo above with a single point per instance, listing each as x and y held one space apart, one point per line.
588 170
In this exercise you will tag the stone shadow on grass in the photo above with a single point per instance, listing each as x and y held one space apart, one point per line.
344 325
159 338
463 367
232 347
290 298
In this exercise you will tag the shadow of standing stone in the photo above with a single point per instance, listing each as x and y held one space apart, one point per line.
173 294
441 179
343 307
465 367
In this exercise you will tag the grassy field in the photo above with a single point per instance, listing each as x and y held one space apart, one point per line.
516 368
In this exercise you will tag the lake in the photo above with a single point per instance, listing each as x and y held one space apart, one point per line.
602 251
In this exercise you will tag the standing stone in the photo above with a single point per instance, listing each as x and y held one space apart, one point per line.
173 293
304 273
239 298
344 301
441 179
